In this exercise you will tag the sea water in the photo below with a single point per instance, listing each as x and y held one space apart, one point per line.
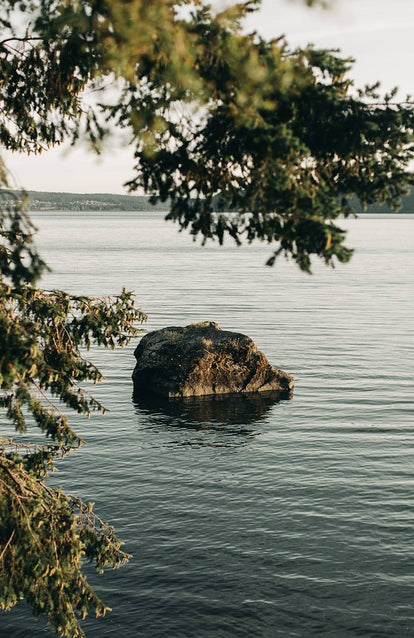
255 518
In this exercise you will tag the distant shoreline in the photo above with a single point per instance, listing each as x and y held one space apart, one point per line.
45 201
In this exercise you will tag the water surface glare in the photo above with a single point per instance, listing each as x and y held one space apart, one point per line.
261 519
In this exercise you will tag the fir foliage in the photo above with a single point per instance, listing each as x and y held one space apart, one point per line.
221 121
45 534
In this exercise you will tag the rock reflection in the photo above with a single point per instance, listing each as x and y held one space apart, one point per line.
224 409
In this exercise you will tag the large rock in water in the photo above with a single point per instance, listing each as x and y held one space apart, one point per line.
202 359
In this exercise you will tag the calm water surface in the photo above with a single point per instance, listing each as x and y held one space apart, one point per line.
251 519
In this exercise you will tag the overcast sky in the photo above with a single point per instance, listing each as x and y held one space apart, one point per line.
379 34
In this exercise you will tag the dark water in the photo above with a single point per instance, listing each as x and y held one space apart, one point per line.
254 518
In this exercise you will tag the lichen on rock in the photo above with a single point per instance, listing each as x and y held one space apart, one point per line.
202 359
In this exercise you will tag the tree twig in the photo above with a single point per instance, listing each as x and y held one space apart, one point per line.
7 544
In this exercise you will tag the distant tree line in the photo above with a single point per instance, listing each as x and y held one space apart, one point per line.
407 206
38 200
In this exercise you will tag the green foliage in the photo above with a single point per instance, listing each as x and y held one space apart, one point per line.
221 121
45 535
42 333
287 156
279 135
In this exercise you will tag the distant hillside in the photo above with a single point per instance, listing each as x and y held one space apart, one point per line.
90 201
407 206
39 200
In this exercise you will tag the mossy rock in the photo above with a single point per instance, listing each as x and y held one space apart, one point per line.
202 359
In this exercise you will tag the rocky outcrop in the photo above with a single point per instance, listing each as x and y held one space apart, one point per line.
201 359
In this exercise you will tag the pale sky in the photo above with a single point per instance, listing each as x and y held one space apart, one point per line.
379 34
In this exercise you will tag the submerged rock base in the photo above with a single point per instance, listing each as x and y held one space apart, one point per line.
202 359
239 410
